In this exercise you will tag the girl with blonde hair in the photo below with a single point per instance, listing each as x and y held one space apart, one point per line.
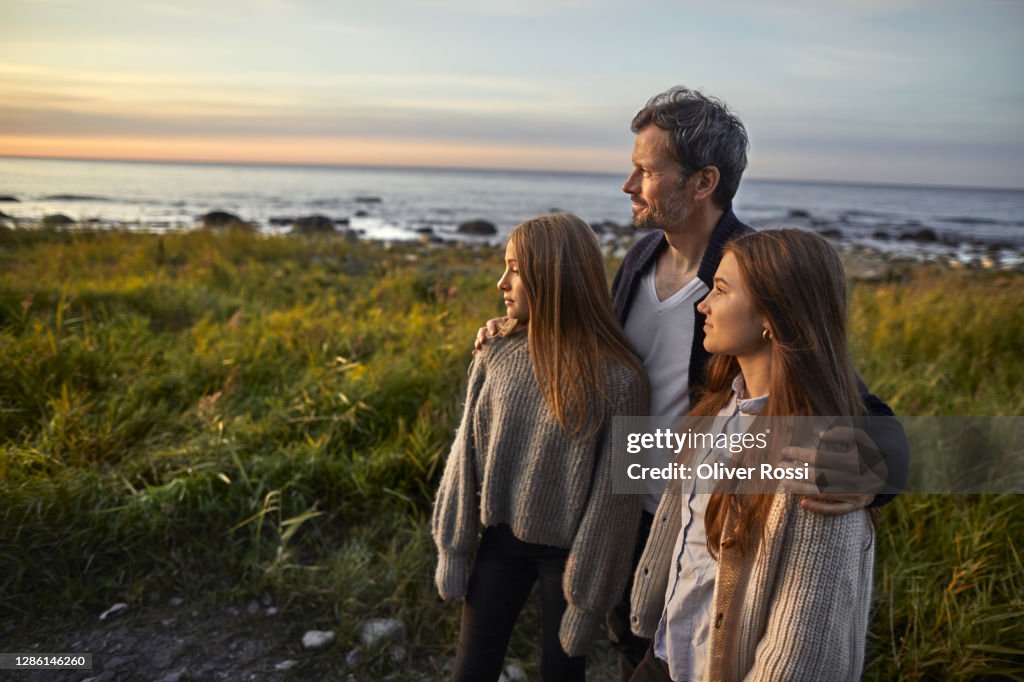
531 462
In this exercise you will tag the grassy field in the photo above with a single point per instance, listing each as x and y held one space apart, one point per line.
233 415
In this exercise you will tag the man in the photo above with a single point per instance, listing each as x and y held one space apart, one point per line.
688 158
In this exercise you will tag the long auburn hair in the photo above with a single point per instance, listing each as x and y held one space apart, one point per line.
795 279
572 330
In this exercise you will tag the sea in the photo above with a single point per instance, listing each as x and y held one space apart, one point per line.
969 225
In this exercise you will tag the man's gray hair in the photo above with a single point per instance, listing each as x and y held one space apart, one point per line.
702 132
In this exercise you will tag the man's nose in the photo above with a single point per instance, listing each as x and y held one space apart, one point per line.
630 185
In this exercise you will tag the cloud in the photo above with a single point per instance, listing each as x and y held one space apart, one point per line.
309 150
44 101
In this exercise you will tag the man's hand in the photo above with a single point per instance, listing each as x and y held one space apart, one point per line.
488 331
847 463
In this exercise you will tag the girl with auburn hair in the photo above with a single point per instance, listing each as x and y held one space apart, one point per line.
790 595
531 461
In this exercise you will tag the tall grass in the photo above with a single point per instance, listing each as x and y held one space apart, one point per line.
233 414
950 575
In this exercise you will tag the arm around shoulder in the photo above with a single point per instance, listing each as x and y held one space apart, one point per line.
888 435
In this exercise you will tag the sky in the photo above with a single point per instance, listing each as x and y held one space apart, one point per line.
892 91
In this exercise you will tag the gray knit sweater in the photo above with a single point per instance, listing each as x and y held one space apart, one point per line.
511 463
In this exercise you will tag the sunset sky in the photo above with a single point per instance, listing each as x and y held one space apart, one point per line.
883 91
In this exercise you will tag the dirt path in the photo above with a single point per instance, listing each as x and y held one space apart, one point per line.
179 642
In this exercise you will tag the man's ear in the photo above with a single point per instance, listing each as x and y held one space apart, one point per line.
705 182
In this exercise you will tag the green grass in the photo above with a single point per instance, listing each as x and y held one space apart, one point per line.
234 414
949 574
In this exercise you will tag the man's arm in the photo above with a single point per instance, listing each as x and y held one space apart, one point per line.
873 461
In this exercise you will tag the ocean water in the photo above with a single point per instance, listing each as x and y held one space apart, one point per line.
401 203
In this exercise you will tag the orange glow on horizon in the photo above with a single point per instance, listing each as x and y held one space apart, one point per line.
300 150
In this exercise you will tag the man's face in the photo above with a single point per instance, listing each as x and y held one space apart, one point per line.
656 185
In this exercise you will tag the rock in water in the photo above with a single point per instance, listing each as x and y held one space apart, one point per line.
923 235
379 629
222 220
312 224
57 220
480 228
317 639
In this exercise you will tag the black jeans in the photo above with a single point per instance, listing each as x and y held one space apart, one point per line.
631 648
503 575
651 669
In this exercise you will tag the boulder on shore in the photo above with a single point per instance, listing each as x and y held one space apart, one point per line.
479 228
222 220
925 235
57 220
312 224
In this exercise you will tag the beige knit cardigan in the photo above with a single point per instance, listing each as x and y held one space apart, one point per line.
511 463
794 607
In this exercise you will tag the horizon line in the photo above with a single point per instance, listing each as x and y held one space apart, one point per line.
488 169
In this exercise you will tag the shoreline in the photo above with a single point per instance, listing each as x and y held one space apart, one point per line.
876 258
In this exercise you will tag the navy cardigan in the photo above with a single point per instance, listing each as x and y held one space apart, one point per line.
887 433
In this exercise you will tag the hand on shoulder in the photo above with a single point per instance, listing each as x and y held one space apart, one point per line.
488 332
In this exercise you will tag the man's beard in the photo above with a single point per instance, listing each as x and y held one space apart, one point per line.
670 213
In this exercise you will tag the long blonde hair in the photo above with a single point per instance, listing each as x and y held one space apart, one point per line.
795 279
572 330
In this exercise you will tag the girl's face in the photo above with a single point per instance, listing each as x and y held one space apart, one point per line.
732 327
511 284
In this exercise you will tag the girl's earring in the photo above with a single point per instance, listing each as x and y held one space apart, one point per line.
766 335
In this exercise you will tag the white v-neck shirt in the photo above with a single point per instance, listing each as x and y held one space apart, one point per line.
662 335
